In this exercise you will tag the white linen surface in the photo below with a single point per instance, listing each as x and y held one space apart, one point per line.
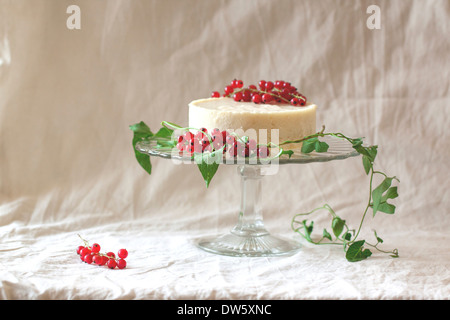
67 166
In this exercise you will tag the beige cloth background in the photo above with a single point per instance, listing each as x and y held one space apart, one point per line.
67 98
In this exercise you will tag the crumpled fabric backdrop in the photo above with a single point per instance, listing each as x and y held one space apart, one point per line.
67 98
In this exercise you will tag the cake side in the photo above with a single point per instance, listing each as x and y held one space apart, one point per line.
263 122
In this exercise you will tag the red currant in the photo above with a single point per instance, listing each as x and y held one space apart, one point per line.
295 101
225 134
229 90
302 100
237 83
104 260
215 94
263 152
266 98
256 98
112 263
121 264
279 84
79 249
180 146
95 248
122 253
85 251
230 140
238 96
98 260
233 151
215 132
188 136
262 85
88 258
251 144
111 254
269 85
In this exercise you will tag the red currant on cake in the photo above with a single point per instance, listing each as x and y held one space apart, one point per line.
238 96
267 97
256 98
229 90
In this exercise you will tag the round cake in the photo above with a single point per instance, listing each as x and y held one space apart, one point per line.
265 122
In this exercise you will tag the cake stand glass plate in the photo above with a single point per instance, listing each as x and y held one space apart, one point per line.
249 237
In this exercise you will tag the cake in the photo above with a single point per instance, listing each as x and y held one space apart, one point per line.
266 122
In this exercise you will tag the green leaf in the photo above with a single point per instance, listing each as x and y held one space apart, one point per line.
164 133
141 131
379 240
326 234
288 152
386 208
391 193
321 146
357 142
208 163
356 252
308 230
338 225
369 152
309 145
347 236
377 193
366 163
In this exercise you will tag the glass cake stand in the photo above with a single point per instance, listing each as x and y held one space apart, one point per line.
249 237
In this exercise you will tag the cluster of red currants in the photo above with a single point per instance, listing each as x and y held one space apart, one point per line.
266 92
202 141
91 254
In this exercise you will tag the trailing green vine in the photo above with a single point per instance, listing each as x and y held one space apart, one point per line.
377 201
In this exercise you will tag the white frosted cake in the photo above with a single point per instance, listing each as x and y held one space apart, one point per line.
290 122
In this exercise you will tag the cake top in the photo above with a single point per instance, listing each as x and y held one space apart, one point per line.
266 92
230 105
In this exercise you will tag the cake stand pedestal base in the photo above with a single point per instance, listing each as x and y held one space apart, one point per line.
249 238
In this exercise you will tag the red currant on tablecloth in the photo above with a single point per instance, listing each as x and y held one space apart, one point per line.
122 253
95 247
88 258
91 254
121 264
111 263
98 260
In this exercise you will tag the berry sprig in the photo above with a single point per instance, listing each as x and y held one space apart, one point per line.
217 140
266 92
91 254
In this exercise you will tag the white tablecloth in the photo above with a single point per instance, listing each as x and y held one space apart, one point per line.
67 166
